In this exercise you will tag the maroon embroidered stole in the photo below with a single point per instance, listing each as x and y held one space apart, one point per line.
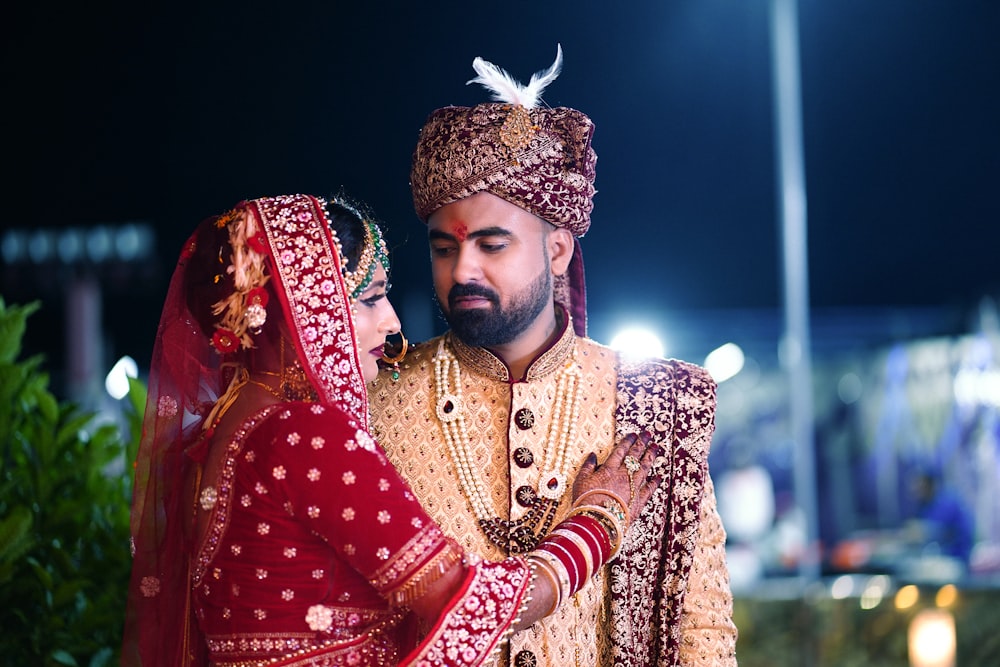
675 401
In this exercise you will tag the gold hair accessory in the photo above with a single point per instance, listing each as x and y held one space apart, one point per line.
373 251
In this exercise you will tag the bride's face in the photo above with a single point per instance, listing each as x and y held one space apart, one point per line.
375 318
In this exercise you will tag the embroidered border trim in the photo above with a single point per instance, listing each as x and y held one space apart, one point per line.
479 619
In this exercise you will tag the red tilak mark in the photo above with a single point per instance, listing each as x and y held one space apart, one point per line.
460 232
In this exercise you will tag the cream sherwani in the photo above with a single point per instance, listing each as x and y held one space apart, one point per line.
508 425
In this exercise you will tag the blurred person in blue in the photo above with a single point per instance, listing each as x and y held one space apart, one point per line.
942 520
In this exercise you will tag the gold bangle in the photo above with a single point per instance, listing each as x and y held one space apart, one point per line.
611 494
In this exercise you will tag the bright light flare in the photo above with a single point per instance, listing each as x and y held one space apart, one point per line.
637 343
725 361
931 639
116 382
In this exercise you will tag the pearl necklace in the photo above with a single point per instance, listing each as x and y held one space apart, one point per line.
520 535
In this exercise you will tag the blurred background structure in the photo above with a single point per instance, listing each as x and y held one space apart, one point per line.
128 123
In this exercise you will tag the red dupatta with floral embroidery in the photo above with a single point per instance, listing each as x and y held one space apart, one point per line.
187 378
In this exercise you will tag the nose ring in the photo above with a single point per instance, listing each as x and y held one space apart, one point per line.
402 352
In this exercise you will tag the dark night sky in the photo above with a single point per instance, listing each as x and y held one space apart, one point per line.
127 112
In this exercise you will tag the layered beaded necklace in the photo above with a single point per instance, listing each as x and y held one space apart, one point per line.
517 535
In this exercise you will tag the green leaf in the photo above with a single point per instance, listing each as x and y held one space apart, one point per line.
15 535
13 321
63 658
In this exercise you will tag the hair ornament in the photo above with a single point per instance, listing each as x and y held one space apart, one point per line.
373 252
256 312
244 311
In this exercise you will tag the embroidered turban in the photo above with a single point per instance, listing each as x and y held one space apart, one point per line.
537 158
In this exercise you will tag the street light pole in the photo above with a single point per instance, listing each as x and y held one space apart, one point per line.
791 190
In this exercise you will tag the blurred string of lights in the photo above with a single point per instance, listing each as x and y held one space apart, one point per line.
83 259
73 246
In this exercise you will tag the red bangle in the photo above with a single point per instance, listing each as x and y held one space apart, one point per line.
570 536
594 534
569 556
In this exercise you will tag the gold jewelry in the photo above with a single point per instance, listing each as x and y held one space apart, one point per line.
396 359
537 565
295 385
609 519
402 353
269 389
517 130
555 569
293 382
373 252
632 465
518 535
619 507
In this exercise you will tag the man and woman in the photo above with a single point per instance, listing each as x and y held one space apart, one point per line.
269 526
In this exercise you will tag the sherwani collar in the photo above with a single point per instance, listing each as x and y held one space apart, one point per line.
483 362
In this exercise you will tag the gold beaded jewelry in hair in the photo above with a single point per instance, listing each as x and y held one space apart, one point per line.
518 535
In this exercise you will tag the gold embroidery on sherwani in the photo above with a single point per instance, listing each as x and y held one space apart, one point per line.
405 424
579 632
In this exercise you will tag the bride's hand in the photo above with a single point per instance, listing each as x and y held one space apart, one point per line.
624 476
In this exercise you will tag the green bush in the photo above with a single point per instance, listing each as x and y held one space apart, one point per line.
64 516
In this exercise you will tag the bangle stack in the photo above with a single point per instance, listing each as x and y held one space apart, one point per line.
578 547
616 505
